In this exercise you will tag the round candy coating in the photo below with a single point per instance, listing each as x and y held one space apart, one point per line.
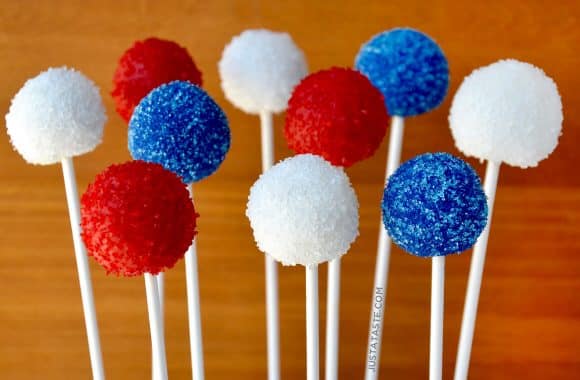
179 126
146 65
509 111
337 114
258 70
303 211
137 217
408 67
57 114
434 205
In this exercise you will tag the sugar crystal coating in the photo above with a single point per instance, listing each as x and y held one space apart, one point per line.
179 126
408 67
434 205
137 217
337 114
57 114
258 70
303 211
146 65
509 111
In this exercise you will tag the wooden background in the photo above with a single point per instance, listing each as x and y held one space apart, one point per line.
529 319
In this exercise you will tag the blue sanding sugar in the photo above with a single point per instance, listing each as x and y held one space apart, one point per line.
434 205
408 67
179 126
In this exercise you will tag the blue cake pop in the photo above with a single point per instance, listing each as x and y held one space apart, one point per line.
434 205
179 126
408 67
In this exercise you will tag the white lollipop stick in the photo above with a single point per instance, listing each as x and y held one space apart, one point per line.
193 309
267 135
271 267
382 264
157 339
437 306
475 276
312 355
83 270
160 288
332 319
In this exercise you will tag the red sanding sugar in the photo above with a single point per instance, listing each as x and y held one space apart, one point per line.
137 217
337 114
146 65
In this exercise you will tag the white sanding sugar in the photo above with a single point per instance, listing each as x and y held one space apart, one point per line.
303 211
57 114
509 112
259 69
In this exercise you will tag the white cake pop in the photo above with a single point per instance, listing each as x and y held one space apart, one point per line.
509 112
259 69
57 114
303 211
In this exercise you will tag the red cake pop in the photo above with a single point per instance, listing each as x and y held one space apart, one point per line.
337 114
146 65
137 217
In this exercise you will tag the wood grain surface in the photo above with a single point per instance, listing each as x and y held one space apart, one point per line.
529 319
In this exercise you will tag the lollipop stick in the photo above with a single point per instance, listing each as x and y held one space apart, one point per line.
437 302
160 278
83 270
267 135
271 267
332 319
157 339
160 288
475 276
312 369
382 264
193 309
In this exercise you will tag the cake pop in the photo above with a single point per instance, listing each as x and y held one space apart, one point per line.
408 67
137 218
433 206
337 114
146 65
304 211
509 112
179 126
412 73
57 115
258 70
